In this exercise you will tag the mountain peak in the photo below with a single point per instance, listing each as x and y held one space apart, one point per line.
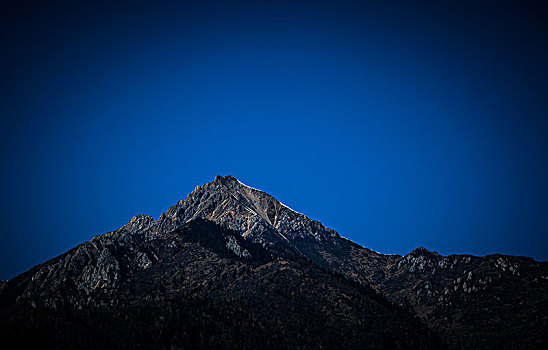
251 212
422 251
225 179
224 229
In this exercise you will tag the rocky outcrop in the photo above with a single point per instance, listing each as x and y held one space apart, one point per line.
494 301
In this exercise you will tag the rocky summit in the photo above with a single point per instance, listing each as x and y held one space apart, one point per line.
232 267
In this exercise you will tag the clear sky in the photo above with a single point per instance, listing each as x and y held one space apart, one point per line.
399 124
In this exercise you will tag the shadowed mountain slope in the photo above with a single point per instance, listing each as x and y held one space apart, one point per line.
198 286
470 300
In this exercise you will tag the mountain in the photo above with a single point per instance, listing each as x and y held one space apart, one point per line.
491 302
230 266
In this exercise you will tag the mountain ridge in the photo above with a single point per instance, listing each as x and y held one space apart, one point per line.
249 224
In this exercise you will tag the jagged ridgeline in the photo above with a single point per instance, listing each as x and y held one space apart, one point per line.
232 267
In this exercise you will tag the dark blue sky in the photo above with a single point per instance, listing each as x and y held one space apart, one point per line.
399 124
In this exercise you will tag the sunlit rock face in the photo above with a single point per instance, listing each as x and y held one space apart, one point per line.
257 215
227 243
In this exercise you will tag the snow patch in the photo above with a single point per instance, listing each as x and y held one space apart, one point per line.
293 210
253 188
